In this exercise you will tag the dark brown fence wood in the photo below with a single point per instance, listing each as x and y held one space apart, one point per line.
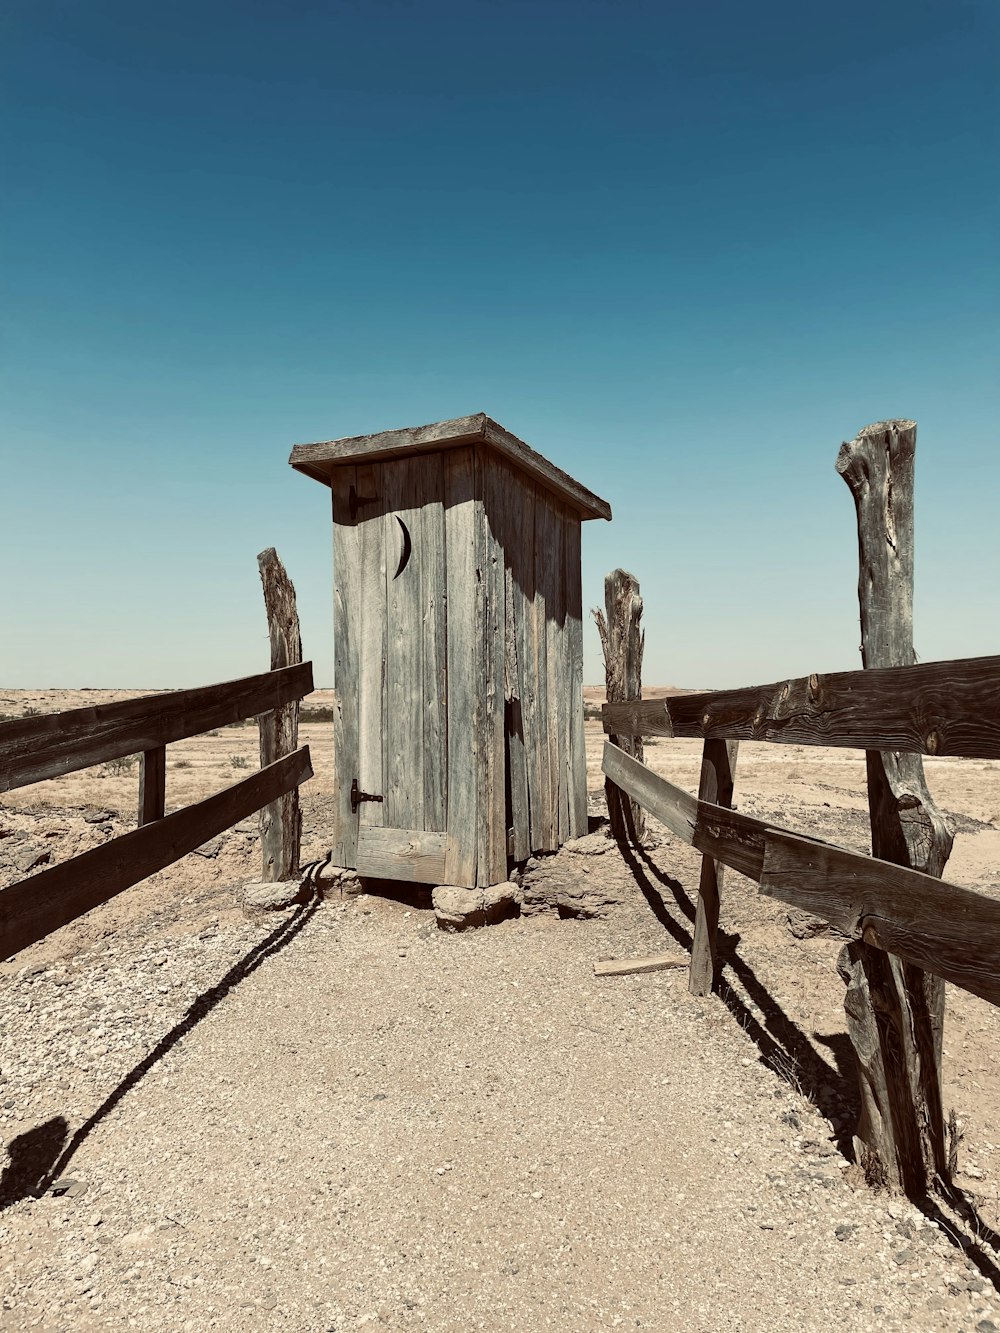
152 785
935 708
895 1012
939 926
718 765
35 748
34 907
622 640
281 821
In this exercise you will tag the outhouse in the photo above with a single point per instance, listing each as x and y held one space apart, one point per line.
458 650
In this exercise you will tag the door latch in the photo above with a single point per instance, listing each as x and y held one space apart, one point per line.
357 796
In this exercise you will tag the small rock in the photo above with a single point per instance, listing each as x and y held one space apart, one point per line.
98 817
591 844
845 1230
259 897
805 926
457 908
210 848
986 1326
30 857
501 901
903 1256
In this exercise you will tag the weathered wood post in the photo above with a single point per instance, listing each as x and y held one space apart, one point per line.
895 1012
280 822
718 766
152 784
622 640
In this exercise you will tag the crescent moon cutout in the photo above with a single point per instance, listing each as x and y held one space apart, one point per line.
404 558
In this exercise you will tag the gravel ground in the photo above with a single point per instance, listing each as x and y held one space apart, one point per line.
340 1117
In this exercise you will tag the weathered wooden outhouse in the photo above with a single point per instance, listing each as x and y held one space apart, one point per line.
458 650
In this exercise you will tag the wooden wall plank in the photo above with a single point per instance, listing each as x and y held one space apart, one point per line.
346 665
577 758
414 855
532 679
36 906
553 566
370 591
491 865
404 726
464 667
35 748
430 557
935 708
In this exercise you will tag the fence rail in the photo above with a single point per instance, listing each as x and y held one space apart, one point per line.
934 708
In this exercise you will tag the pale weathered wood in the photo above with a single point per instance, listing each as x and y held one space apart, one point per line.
622 640
552 561
895 1012
430 560
281 821
935 708
940 927
414 855
346 667
622 967
491 865
577 779
36 906
718 766
403 719
372 650
464 655
35 748
543 806
152 785
532 712
318 460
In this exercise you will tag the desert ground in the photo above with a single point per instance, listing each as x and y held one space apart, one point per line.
341 1117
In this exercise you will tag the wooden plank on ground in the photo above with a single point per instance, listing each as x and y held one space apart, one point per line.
34 907
933 708
654 962
414 855
152 785
718 766
35 748
940 927
464 666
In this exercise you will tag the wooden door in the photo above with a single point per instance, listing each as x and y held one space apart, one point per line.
390 668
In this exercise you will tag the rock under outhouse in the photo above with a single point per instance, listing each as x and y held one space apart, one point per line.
458 650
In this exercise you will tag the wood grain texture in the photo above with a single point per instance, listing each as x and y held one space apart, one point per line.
622 641
318 460
544 798
491 865
577 758
434 646
152 785
934 708
715 787
464 667
36 906
556 731
895 1012
281 821
346 670
403 717
370 665
940 927
35 748
414 855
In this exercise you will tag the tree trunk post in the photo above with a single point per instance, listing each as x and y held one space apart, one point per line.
718 768
622 640
895 1012
280 822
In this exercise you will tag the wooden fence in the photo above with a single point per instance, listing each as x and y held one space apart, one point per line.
33 749
907 930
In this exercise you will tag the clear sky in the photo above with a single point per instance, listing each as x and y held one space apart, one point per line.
683 249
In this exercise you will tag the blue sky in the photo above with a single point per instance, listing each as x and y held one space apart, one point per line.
683 249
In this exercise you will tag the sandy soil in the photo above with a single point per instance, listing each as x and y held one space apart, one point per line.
658 1152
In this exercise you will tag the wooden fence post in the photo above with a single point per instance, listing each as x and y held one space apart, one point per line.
622 640
280 822
152 784
895 1012
718 766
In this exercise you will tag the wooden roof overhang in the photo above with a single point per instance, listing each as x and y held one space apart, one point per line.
319 460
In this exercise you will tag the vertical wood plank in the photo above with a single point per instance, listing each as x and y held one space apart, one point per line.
346 665
492 857
577 767
525 593
280 821
152 785
370 591
431 560
404 724
464 666
544 806
718 768
555 617
622 640
895 1011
